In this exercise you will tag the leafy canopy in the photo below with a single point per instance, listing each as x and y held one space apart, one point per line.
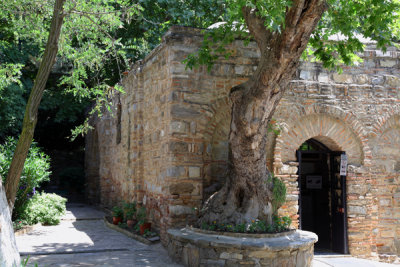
337 38
99 40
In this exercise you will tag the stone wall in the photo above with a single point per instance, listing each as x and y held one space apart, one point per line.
165 145
199 248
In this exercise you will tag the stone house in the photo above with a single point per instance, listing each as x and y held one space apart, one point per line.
337 149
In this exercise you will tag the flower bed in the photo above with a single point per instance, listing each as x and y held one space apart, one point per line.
148 238
280 224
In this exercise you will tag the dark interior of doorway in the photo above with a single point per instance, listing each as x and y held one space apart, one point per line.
322 200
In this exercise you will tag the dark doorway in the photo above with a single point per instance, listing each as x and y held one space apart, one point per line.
322 200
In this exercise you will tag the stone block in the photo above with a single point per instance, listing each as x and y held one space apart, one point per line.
178 147
361 79
342 78
181 188
359 189
177 127
377 80
323 77
385 202
208 253
178 210
190 256
194 172
388 63
239 70
380 53
178 111
306 75
227 255
392 81
262 254
357 210
176 171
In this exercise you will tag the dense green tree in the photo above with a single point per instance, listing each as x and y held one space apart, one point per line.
282 29
93 42
83 43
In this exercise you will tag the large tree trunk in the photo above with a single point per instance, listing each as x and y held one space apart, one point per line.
31 111
247 193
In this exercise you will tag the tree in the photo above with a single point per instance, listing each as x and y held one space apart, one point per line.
30 118
81 47
90 43
282 30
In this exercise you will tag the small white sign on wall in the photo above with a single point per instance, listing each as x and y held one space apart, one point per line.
343 165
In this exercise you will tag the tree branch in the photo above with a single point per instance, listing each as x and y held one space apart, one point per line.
256 26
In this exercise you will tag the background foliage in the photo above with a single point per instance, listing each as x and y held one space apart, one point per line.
35 172
336 40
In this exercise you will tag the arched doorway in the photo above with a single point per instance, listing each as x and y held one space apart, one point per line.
322 200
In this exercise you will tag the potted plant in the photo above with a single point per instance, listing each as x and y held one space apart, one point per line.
117 214
143 225
130 214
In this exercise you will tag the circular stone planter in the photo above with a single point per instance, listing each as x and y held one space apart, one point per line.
195 247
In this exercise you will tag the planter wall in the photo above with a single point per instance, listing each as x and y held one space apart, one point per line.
194 248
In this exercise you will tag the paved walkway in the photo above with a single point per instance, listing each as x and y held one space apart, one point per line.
82 239
346 261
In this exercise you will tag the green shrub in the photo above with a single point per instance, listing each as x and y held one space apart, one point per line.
129 210
279 194
35 172
117 212
44 208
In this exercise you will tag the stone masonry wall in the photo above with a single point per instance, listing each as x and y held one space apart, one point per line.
166 147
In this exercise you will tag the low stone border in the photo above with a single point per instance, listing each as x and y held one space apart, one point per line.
107 221
26 229
196 248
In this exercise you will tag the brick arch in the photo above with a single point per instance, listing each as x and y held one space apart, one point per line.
390 119
215 142
219 109
332 126
387 144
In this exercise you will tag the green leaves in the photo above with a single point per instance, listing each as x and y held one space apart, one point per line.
348 24
9 73
36 171
340 34
44 208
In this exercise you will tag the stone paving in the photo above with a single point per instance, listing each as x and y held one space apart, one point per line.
82 239
346 261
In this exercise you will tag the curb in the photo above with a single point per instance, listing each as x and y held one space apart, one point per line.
128 233
26 229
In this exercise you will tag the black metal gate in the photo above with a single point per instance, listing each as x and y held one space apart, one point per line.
327 200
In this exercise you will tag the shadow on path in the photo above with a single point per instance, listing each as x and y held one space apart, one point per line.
82 239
